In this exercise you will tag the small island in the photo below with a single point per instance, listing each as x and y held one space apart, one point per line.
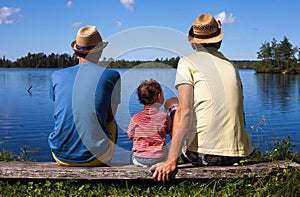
278 57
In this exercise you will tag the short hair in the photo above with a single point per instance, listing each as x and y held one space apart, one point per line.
216 45
148 91
87 55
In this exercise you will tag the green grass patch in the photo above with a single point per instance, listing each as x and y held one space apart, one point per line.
280 183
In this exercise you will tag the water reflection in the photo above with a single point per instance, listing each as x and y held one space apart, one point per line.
278 90
277 111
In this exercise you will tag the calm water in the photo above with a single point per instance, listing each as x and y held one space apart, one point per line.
272 107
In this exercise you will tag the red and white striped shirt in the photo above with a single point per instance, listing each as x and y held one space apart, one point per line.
148 130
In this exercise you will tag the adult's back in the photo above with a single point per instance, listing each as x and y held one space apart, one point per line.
218 122
86 97
210 113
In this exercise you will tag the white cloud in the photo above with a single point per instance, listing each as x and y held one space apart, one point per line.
9 15
225 18
69 4
76 24
118 24
128 4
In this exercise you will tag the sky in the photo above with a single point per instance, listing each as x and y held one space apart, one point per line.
143 29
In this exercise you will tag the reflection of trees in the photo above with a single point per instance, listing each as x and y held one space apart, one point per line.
277 90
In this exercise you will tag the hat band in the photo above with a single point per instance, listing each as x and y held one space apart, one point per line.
82 48
206 36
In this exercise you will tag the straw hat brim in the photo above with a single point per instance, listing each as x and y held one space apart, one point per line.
214 39
96 49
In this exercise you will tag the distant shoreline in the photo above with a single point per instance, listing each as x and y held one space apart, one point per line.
41 60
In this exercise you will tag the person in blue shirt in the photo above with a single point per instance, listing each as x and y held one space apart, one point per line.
86 97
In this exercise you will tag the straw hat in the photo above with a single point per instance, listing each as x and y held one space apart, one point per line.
205 29
88 40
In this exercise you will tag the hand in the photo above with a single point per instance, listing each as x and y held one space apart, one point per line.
163 171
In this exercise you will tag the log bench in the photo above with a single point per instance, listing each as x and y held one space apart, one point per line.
51 170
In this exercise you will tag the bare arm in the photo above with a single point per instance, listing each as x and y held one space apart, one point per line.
181 125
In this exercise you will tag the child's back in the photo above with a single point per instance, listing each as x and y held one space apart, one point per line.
148 128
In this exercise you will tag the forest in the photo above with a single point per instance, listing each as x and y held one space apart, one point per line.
273 57
41 60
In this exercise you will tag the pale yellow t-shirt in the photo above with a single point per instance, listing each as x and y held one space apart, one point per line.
218 122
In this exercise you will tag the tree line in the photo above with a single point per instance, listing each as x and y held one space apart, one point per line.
274 57
278 57
41 60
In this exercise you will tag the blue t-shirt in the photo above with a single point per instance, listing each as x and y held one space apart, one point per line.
82 95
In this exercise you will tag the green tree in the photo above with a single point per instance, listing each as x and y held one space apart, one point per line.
285 52
277 57
298 54
52 61
265 51
274 45
5 63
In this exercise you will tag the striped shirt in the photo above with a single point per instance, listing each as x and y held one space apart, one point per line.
148 130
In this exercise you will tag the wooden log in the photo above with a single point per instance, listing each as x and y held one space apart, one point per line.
51 170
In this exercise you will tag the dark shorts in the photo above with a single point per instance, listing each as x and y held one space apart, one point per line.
198 159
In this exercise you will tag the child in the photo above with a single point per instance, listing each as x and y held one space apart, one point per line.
149 127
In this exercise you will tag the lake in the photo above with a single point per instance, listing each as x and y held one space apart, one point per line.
272 108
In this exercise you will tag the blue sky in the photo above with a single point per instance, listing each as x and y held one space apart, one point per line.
50 25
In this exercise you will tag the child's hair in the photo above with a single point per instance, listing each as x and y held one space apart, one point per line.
148 91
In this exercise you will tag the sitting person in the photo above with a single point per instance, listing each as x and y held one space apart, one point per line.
149 127
86 97
210 113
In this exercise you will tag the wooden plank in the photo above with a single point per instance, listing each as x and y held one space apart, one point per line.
51 170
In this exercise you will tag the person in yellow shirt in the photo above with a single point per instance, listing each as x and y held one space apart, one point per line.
210 113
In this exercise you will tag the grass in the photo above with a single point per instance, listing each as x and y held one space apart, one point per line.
284 182
281 183
9 156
